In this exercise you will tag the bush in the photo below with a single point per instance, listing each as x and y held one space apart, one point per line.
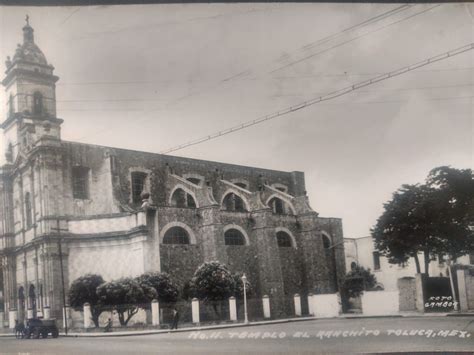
83 290
166 289
212 282
125 296
357 281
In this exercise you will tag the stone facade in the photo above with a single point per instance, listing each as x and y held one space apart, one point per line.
120 213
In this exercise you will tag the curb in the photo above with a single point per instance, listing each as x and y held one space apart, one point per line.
461 314
239 325
381 316
193 329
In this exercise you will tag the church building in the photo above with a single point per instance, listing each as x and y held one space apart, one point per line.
68 209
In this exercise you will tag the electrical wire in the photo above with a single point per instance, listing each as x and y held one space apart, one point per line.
351 40
329 96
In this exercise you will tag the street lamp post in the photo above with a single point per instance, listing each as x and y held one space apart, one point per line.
244 280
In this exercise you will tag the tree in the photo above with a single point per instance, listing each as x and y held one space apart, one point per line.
83 290
212 282
166 289
239 286
453 196
357 281
432 218
188 292
125 296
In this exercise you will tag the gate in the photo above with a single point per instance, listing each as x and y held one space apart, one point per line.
437 295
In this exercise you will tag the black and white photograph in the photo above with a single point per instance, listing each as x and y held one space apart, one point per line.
236 177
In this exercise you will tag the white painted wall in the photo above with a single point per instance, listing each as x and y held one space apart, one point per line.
326 306
102 225
111 259
379 303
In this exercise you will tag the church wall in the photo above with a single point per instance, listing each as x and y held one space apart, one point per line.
180 261
292 270
333 226
242 258
112 258
100 197
127 160
30 267
109 223
245 259
17 206
20 272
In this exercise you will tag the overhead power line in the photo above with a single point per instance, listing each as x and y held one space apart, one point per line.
360 24
329 96
244 73
352 39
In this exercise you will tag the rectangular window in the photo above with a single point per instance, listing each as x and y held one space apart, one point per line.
376 257
138 183
80 182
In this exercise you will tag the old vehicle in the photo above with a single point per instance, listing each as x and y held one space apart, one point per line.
37 328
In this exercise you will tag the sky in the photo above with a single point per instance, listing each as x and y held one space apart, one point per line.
150 77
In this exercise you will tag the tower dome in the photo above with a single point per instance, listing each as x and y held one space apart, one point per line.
29 51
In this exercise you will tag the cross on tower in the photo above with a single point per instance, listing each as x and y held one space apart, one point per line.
27 20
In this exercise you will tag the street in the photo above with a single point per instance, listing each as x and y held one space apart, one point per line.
315 336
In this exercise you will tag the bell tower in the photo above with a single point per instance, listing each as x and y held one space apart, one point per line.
30 87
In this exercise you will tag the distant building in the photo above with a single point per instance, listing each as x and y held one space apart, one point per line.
361 252
122 213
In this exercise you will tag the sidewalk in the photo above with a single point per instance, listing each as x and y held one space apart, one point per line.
257 323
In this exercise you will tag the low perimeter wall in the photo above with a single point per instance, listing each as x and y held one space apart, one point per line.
326 306
380 303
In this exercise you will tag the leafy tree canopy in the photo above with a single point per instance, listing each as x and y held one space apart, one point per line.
125 296
432 218
166 289
212 281
357 281
83 290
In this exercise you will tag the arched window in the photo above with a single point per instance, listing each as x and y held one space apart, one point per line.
353 265
234 237
182 199
232 202
80 182
37 103
326 242
277 205
284 240
29 220
176 235
32 297
21 299
21 293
